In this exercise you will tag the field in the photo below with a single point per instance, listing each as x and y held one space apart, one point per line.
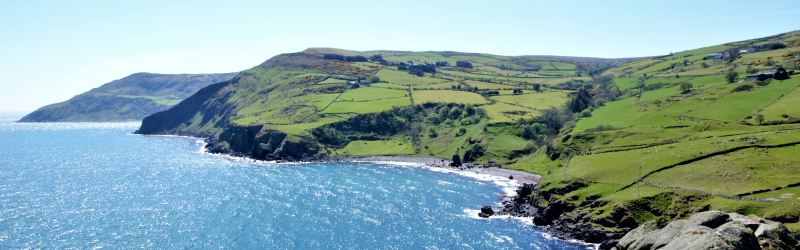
423 96
533 100
396 146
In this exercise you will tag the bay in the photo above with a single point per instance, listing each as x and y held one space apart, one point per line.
95 185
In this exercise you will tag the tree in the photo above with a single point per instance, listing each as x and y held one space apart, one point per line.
375 79
581 101
463 64
537 87
704 65
759 118
640 84
456 160
731 76
685 86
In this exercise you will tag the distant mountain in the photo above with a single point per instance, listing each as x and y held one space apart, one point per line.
127 99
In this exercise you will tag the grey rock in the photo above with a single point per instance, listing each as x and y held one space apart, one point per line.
635 235
738 235
711 230
711 219
776 234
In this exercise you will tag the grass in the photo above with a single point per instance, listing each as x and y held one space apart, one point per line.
786 105
489 86
501 112
735 173
735 106
395 146
366 107
424 96
534 100
371 93
404 78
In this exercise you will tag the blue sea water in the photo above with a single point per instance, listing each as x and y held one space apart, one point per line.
94 185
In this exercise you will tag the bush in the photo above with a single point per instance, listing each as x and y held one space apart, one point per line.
600 128
763 83
461 131
355 86
464 64
731 76
745 87
685 86
432 133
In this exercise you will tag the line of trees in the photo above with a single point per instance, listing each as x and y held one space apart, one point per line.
345 58
463 64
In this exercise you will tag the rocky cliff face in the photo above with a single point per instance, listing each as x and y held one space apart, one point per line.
555 216
711 230
252 142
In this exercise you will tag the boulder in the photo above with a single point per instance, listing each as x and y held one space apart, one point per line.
776 234
711 219
711 230
636 235
486 211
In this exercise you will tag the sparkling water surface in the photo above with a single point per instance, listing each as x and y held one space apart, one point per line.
94 185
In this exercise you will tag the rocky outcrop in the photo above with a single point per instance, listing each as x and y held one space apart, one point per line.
252 142
711 230
486 211
554 218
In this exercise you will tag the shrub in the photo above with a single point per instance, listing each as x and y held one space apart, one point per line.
745 87
685 86
461 131
432 133
731 76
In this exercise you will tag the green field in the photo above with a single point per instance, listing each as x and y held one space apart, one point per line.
533 100
424 96
396 146
404 78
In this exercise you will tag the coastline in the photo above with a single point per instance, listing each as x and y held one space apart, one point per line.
514 202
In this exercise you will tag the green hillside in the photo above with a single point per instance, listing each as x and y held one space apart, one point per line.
705 138
714 145
296 94
127 99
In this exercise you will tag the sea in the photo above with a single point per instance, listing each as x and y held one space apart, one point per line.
98 186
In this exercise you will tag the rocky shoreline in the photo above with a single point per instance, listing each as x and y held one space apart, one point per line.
553 220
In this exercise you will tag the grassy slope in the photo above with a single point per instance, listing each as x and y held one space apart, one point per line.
659 129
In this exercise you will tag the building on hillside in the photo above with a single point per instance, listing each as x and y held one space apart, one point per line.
715 56
760 76
746 51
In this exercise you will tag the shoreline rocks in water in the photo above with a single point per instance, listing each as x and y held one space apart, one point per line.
711 230
486 211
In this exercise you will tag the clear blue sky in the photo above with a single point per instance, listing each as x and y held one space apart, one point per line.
53 50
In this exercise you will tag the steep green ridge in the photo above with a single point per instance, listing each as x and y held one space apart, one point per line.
127 99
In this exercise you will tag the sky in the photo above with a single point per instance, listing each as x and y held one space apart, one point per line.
53 50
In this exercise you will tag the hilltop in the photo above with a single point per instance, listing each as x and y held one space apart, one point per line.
706 136
428 103
127 99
